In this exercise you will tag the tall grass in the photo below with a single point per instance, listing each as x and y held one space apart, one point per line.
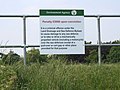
61 76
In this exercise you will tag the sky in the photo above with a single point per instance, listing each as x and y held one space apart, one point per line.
11 29
33 6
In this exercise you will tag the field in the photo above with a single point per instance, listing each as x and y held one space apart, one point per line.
57 75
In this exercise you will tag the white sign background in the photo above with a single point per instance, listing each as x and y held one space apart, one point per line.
48 46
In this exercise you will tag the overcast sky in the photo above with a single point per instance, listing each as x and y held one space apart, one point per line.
11 29
32 6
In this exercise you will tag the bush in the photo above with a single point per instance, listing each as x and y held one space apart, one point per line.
10 58
92 58
7 78
34 56
114 55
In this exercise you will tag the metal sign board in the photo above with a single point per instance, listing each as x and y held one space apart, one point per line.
62 32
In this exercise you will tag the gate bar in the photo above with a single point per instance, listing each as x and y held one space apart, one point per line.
24 38
38 16
99 40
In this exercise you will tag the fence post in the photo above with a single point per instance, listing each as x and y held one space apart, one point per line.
99 40
24 38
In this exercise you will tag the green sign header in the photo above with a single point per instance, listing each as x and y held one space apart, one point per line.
55 12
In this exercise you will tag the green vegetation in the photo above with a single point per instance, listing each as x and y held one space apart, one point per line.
34 56
114 54
61 72
10 58
57 75
7 77
110 54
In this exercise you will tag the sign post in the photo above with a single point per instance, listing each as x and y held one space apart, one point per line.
62 32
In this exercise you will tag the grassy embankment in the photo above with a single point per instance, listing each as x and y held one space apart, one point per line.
62 76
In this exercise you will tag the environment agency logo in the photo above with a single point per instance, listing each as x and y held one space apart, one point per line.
74 12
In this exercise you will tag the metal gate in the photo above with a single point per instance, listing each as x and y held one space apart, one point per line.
24 46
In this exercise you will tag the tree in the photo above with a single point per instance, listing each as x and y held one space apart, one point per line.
33 55
92 57
10 58
105 51
116 42
114 54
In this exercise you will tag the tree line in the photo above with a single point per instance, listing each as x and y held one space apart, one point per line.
110 54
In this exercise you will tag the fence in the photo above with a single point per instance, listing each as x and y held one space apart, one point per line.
24 46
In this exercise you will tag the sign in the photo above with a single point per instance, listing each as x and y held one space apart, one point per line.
62 32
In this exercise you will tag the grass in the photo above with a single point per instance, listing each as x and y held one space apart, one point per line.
57 75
